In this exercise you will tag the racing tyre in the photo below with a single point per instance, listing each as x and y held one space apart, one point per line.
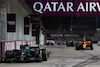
44 55
37 55
91 48
37 52
77 48
17 54
40 59
9 54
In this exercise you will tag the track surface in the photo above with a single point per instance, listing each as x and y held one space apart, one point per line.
62 56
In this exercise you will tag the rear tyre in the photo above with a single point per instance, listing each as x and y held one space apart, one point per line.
77 48
37 55
44 55
91 48
8 56
17 54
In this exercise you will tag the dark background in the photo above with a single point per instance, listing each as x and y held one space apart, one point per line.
77 23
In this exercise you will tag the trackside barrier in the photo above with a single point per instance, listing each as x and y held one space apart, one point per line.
42 42
0 51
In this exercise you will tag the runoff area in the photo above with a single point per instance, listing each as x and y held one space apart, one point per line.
47 33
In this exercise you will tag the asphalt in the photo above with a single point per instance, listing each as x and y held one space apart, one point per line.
62 56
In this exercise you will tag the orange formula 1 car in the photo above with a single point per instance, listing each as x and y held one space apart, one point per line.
84 45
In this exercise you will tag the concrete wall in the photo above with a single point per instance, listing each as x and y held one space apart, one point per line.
3 25
41 36
14 6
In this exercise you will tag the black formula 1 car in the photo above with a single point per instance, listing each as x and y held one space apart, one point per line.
27 54
71 43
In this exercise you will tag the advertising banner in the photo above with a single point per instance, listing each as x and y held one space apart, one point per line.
64 35
65 7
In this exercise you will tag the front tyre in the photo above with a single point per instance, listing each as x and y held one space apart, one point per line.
44 55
